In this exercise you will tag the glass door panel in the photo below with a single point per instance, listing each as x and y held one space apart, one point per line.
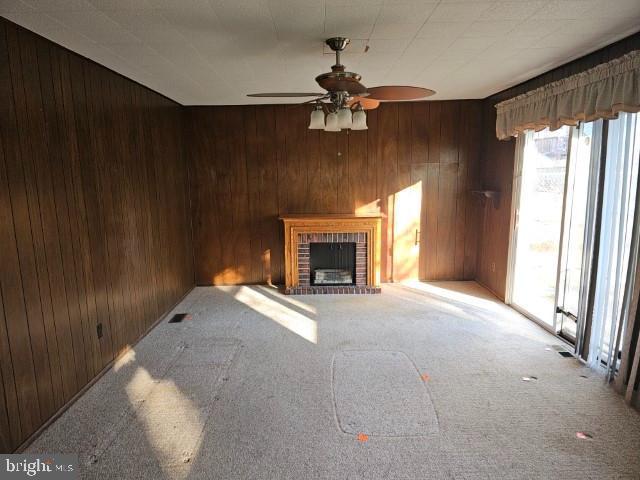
620 180
570 287
538 223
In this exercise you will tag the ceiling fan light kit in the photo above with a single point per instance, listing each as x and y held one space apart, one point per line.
344 117
359 120
317 119
332 123
347 99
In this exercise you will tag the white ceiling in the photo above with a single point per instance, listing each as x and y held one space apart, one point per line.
213 52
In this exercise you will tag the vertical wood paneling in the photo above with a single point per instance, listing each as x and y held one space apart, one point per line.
405 144
325 179
245 174
387 156
446 235
447 190
419 173
151 186
5 430
146 286
429 247
62 273
33 262
7 246
100 162
472 136
95 224
361 174
86 198
18 270
267 189
253 263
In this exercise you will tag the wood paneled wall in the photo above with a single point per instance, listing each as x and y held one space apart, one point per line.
94 223
498 159
498 162
250 164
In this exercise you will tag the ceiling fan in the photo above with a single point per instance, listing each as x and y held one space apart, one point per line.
346 99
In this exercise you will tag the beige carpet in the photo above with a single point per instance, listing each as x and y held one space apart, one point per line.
381 393
423 381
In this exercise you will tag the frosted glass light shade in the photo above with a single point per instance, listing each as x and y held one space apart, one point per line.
332 123
344 117
359 120
317 120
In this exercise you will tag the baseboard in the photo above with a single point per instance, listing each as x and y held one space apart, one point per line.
91 382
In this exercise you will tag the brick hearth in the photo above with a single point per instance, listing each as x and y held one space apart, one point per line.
302 231
304 281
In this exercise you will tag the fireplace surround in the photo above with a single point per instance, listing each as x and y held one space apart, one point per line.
332 254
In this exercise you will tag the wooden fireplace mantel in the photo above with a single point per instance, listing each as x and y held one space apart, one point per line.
296 224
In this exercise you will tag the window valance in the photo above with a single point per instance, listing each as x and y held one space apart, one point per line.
600 92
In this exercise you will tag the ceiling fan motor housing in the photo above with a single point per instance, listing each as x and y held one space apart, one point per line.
339 80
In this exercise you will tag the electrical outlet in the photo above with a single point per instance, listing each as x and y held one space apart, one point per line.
493 266
99 330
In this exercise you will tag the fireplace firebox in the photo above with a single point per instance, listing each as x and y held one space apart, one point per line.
332 263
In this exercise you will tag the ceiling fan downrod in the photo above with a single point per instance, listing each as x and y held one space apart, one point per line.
337 44
339 80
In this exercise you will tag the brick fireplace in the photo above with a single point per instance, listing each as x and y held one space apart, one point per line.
332 254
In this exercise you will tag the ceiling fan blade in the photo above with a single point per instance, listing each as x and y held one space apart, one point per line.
285 94
396 93
365 103
313 100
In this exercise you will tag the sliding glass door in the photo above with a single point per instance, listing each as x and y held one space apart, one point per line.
540 185
550 245
574 198
574 257
615 229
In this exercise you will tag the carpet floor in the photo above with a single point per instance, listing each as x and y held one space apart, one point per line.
422 381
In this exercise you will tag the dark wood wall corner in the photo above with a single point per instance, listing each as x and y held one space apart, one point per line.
495 217
187 162
94 237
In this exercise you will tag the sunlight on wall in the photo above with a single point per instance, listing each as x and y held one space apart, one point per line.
124 360
230 276
172 424
371 207
282 315
407 207
266 266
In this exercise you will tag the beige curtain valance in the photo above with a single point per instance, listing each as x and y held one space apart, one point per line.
600 92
